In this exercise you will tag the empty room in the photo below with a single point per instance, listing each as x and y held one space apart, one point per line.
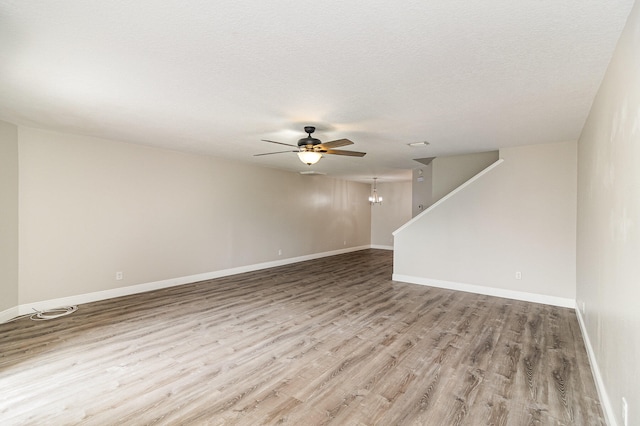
319 213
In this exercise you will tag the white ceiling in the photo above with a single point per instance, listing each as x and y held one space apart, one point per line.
215 77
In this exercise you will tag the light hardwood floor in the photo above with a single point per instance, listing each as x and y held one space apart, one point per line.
330 341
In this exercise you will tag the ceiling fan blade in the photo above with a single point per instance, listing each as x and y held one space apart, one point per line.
343 152
335 144
269 153
279 143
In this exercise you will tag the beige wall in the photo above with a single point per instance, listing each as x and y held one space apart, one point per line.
8 216
92 207
394 212
421 189
608 257
443 175
452 171
520 216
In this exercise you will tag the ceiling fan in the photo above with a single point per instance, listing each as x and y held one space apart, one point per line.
310 149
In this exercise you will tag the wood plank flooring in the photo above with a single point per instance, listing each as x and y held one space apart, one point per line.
327 342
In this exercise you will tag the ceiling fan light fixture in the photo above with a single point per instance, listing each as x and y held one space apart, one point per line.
309 157
310 150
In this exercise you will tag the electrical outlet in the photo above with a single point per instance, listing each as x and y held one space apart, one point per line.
518 275
344 243
119 276
583 307
279 252
625 412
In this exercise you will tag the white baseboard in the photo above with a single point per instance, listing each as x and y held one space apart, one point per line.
7 314
489 291
380 247
43 305
595 370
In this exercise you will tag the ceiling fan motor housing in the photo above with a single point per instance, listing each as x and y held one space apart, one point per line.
308 140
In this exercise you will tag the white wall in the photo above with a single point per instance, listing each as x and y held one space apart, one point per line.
608 256
394 212
8 216
452 171
91 207
520 216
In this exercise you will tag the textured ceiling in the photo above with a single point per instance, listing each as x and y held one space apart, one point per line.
216 77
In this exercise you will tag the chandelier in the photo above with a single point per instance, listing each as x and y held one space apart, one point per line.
375 198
